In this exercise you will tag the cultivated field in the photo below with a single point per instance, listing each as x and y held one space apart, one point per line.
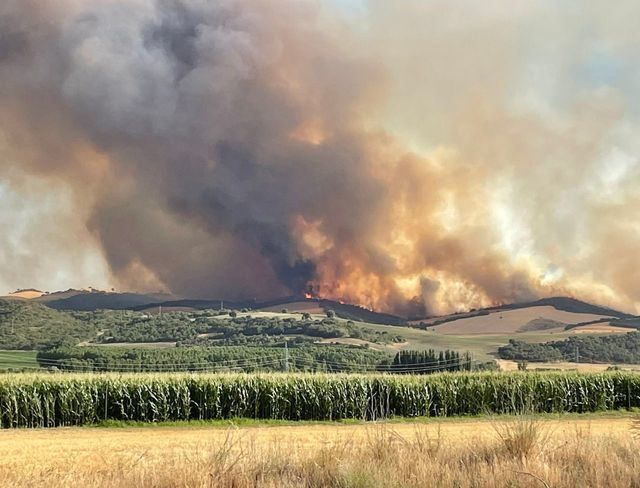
54 400
263 430
482 346
25 294
602 328
18 359
508 365
511 321
499 452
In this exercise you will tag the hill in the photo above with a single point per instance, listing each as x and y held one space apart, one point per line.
291 303
187 304
342 310
515 321
26 294
544 314
30 325
361 314
566 304
97 300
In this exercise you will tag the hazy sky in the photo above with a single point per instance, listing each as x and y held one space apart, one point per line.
457 153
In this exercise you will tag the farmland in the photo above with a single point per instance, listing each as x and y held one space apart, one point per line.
18 360
562 451
195 339
512 321
80 399
145 397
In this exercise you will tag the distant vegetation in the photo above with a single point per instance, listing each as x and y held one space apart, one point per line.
617 348
630 322
356 313
297 357
205 328
28 325
426 362
222 358
207 340
134 327
526 351
241 330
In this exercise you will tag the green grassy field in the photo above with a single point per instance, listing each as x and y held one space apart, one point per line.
482 347
18 360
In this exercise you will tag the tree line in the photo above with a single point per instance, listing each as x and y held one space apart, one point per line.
616 348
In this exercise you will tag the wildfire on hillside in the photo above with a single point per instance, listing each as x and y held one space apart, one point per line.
257 146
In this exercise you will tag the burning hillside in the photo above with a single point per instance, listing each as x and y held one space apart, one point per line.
397 157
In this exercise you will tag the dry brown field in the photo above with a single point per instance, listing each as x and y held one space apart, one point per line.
573 451
509 365
509 321
25 294
603 328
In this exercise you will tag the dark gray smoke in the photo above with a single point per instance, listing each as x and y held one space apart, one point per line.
248 149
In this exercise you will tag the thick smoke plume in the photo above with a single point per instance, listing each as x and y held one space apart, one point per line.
415 157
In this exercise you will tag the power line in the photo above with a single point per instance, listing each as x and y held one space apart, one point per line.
286 357
171 367
68 363
257 360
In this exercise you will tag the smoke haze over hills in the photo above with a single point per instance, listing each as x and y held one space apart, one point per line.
402 156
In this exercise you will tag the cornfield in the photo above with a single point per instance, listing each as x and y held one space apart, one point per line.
49 400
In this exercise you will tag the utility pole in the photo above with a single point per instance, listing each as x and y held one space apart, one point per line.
577 355
286 357
160 311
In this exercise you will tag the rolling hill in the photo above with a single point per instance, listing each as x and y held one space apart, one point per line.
548 314
96 300
71 317
26 294
566 304
30 325
292 304
512 321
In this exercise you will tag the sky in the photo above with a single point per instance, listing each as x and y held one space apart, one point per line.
415 156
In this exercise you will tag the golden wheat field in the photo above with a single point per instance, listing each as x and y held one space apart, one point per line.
512 452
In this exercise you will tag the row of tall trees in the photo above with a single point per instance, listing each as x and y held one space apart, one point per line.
430 361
